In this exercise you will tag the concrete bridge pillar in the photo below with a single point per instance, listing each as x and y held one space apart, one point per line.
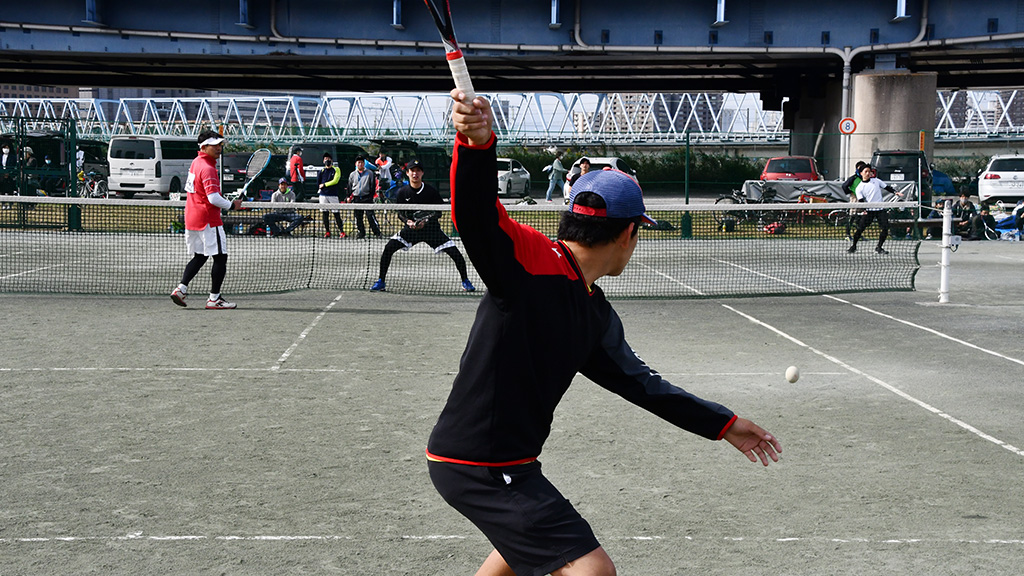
891 109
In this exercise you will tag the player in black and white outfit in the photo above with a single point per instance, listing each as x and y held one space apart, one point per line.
420 227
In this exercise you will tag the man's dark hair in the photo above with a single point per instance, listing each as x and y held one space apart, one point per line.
860 164
206 135
593 230
360 158
328 155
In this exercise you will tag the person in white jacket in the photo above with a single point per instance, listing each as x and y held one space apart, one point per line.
870 190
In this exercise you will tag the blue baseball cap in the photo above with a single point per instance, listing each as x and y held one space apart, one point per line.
621 193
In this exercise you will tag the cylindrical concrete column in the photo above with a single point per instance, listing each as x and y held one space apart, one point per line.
891 109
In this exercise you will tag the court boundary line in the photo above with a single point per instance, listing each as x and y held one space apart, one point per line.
926 329
883 384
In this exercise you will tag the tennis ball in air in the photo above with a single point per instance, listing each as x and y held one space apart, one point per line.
792 373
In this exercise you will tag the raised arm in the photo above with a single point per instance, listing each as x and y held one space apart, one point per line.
500 248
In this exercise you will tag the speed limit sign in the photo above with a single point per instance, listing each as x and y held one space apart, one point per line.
847 126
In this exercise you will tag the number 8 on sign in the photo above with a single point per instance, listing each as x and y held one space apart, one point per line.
847 126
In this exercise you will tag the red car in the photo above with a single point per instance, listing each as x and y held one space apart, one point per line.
791 168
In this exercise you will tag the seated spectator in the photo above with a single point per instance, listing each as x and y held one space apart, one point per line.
963 211
982 226
935 230
283 194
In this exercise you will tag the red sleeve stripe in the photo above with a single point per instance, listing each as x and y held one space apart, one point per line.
454 55
436 458
727 426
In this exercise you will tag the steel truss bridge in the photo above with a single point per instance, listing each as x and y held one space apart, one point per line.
526 119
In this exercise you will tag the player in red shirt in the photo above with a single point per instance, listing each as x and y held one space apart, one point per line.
297 174
204 229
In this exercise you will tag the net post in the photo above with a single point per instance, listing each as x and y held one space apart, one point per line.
74 217
947 238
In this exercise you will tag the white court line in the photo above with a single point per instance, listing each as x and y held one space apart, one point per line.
302 336
140 537
33 271
929 330
883 384
671 279
893 318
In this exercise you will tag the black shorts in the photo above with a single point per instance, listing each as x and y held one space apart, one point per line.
431 233
534 528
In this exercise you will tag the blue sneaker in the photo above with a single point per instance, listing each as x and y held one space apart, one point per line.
468 286
378 286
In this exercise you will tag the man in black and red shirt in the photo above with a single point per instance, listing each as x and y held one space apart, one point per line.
482 454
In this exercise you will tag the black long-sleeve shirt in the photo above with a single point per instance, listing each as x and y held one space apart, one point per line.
524 351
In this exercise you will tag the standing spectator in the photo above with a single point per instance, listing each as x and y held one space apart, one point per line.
8 168
384 166
483 453
556 179
283 194
328 185
361 186
204 228
79 158
297 174
584 168
420 228
870 190
31 175
49 182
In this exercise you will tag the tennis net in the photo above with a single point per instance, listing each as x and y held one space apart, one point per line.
114 246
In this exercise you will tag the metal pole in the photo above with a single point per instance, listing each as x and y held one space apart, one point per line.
686 171
947 236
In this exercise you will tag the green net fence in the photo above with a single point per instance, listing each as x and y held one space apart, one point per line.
136 247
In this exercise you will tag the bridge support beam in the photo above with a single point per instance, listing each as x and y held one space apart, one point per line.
891 109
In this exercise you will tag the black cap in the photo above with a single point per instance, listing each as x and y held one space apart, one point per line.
413 164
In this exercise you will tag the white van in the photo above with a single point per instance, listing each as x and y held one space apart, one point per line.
150 164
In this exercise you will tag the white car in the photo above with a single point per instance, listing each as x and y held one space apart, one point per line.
597 163
513 178
1002 179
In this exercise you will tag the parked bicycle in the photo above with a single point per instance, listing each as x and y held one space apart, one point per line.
761 217
92 185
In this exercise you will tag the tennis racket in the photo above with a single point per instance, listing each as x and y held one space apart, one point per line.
443 20
421 217
258 162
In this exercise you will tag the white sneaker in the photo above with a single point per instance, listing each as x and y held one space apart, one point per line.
179 297
219 304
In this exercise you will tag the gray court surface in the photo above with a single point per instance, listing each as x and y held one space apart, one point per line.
287 437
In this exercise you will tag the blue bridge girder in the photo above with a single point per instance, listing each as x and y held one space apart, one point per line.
526 45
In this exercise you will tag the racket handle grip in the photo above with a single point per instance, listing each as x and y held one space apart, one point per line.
461 75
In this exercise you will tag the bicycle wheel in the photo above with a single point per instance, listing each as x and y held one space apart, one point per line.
83 189
727 215
101 190
838 217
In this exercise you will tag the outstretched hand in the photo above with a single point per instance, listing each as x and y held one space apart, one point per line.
472 119
755 442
